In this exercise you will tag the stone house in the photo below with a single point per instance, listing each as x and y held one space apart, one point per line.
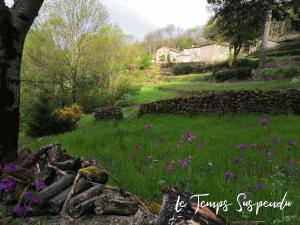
206 54
211 53
165 55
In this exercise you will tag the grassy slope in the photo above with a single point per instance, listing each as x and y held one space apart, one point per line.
174 89
205 86
151 93
112 141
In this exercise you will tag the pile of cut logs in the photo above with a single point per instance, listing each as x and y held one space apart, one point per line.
73 186
108 113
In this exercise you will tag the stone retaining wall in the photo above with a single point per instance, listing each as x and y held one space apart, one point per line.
253 101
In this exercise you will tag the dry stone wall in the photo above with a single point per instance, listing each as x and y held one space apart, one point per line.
252 101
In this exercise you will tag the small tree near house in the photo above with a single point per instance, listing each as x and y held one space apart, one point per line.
145 62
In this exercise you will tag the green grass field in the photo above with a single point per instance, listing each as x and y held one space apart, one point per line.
206 86
172 89
144 170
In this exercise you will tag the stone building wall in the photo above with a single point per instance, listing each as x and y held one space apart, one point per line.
208 53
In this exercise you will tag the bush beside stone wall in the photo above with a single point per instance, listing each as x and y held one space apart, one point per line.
253 101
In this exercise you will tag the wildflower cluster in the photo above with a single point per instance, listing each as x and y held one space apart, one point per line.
8 187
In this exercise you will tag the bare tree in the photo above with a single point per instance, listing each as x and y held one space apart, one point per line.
72 21
15 23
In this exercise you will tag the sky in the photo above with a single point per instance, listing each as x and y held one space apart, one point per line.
138 17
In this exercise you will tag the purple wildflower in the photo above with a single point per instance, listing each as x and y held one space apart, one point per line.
7 184
271 154
190 136
10 167
183 162
162 139
241 147
264 122
181 140
275 139
294 162
137 146
228 175
131 155
170 168
20 211
148 126
31 199
258 186
290 142
39 184
253 145
237 160
200 146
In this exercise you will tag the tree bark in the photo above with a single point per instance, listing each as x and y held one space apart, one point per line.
264 42
14 25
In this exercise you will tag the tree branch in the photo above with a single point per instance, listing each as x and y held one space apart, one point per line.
24 12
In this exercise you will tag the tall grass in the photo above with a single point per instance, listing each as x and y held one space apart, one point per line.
137 158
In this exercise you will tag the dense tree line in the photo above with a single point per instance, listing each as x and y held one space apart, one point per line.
173 37
242 23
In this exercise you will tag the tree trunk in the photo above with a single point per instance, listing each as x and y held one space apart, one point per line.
10 60
264 42
236 52
14 26
74 84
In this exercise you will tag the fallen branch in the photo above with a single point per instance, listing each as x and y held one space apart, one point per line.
66 204
56 169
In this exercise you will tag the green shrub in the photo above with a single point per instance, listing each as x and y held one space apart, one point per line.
125 100
238 74
243 63
182 69
277 73
284 53
145 62
44 119
41 121
91 99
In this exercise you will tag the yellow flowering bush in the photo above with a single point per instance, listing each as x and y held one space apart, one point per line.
68 116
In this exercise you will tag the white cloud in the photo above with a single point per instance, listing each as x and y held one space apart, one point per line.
184 13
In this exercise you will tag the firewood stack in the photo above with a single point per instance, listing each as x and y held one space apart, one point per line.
108 113
73 186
